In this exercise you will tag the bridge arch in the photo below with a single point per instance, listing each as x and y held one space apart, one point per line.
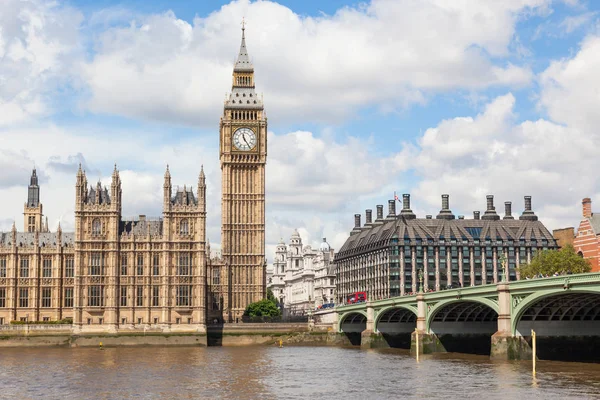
553 308
460 310
396 313
353 321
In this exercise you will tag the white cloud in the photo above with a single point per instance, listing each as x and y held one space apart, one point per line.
570 88
574 22
471 157
388 53
38 43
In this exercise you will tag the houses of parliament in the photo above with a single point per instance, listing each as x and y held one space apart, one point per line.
115 274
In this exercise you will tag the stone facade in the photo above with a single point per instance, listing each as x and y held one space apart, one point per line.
111 273
243 155
387 256
114 273
302 278
587 239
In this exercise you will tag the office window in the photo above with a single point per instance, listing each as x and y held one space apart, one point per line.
69 268
155 292
216 276
123 296
2 267
96 267
96 296
46 297
183 267
140 264
140 296
24 270
47 268
68 299
183 296
123 265
156 265
24 297
2 297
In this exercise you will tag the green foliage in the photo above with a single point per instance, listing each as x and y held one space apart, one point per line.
550 262
263 308
271 296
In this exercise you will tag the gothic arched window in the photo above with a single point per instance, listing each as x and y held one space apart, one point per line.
96 227
184 227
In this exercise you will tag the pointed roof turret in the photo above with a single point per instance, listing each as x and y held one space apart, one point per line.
201 178
33 192
34 179
243 62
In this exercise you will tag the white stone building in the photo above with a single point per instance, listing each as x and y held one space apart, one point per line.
302 278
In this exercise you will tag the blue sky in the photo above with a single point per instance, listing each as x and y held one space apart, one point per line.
363 99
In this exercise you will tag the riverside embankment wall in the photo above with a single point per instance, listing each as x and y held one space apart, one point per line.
227 335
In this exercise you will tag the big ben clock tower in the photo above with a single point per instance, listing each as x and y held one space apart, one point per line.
243 155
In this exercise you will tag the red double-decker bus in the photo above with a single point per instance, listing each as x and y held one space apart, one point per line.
356 297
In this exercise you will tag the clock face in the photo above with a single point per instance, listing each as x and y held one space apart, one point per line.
244 139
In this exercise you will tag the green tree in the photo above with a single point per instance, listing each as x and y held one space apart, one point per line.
262 308
271 296
549 262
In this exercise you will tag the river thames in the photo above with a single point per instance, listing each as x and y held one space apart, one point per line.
286 373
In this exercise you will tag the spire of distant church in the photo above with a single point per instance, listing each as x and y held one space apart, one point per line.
243 61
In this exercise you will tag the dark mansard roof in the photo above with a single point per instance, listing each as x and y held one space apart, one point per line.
433 231
104 196
45 239
184 197
141 227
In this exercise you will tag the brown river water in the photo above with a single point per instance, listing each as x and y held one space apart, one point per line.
281 373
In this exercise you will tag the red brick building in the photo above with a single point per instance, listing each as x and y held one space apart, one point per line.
587 240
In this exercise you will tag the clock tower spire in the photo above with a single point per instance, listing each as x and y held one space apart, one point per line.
243 156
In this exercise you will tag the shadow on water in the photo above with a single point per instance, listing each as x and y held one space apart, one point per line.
214 331
397 340
574 348
467 344
353 337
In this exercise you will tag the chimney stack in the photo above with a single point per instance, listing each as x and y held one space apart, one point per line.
368 216
476 215
587 207
528 214
391 209
490 212
508 210
428 217
356 225
379 220
445 212
406 211
461 217
379 211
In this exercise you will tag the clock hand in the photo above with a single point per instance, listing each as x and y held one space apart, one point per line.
247 144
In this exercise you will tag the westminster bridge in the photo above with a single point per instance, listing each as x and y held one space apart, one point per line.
494 319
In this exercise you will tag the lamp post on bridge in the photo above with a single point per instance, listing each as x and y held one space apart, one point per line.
504 262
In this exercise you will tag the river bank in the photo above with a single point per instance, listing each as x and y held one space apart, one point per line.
227 335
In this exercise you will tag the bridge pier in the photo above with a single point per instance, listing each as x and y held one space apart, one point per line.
508 347
428 343
367 336
505 346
